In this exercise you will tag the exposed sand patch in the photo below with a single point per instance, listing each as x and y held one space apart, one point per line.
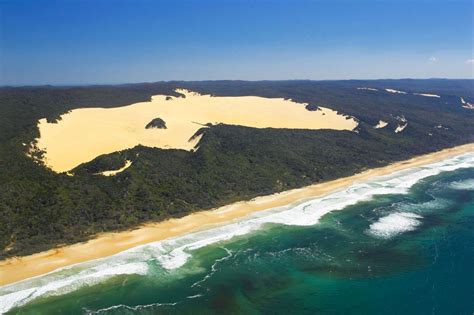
466 104
403 123
381 124
367 88
400 128
113 172
427 95
85 133
395 91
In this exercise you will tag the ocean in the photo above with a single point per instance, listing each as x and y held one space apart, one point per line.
396 244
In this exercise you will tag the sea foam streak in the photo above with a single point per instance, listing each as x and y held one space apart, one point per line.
58 283
173 253
395 223
467 184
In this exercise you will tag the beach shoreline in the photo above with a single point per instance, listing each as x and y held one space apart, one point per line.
20 268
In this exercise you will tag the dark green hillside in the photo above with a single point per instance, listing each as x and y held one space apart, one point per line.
156 123
40 209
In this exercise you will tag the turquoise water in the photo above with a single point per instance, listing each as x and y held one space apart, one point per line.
408 249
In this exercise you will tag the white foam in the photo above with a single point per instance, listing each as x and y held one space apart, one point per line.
24 292
174 253
467 184
424 207
395 223
133 309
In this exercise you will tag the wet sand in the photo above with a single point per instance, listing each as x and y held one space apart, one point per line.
16 269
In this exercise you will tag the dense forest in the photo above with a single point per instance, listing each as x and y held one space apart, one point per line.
40 209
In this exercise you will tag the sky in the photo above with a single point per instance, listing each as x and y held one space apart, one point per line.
117 41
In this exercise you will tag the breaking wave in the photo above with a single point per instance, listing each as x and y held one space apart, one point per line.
55 284
395 223
467 184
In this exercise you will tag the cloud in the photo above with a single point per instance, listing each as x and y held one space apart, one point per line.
470 61
433 59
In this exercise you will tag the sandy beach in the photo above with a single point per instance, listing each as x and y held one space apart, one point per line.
85 133
16 269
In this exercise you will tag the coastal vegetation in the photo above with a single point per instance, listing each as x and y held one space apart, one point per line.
40 208
156 123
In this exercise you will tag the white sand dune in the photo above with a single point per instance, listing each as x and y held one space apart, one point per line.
402 123
466 104
85 133
400 128
381 124
395 91
427 95
367 88
128 163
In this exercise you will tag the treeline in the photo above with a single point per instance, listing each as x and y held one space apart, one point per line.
40 209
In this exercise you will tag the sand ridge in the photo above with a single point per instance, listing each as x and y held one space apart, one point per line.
128 163
85 133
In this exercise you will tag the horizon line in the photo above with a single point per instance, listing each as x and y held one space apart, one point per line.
216 80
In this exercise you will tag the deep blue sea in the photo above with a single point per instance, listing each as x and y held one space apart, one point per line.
397 244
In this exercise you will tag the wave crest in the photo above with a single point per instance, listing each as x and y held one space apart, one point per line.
395 223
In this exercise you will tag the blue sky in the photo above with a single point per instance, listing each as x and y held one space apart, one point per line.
116 41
